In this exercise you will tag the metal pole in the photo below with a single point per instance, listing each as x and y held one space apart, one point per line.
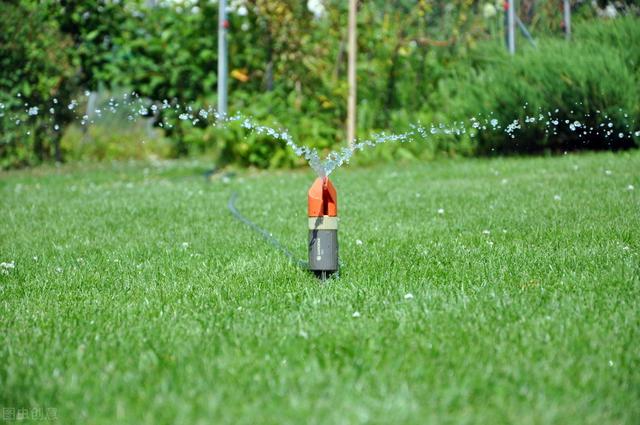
525 31
567 19
351 103
222 57
505 23
511 27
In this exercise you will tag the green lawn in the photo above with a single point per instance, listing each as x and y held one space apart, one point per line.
486 291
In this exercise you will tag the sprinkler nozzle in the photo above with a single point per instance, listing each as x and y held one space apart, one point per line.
323 228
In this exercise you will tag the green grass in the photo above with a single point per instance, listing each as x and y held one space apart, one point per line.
526 293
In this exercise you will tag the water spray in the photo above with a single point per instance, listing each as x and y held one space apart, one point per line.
323 228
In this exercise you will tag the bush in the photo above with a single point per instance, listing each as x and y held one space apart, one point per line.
593 80
36 67
233 144
115 140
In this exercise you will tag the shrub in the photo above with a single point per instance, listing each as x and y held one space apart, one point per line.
35 68
115 140
233 144
594 80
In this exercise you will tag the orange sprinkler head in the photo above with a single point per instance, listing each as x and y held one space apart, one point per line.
323 228
323 198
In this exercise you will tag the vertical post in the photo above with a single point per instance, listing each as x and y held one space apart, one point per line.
505 23
567 19
351 103
511 26
222 57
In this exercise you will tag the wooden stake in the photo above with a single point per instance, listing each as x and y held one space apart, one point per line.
351 104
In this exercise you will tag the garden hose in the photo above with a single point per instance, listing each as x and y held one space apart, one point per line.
265 234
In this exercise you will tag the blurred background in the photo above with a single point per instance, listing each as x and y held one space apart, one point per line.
419 61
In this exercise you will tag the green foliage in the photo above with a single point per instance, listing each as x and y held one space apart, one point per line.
419 61
165 53
108 140
287 68
622 35
233 144
593 80
93 26
36 67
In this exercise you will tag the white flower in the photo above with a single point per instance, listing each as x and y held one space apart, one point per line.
59 269
184 245
607 172
356 314
489 11
316 7
610 11
235 6
486 232
556 197
358 242
630 187
440 210
5 267
408 296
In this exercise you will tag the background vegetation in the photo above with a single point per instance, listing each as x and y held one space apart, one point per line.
419 60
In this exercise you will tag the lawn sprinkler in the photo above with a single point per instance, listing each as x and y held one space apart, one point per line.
323 228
